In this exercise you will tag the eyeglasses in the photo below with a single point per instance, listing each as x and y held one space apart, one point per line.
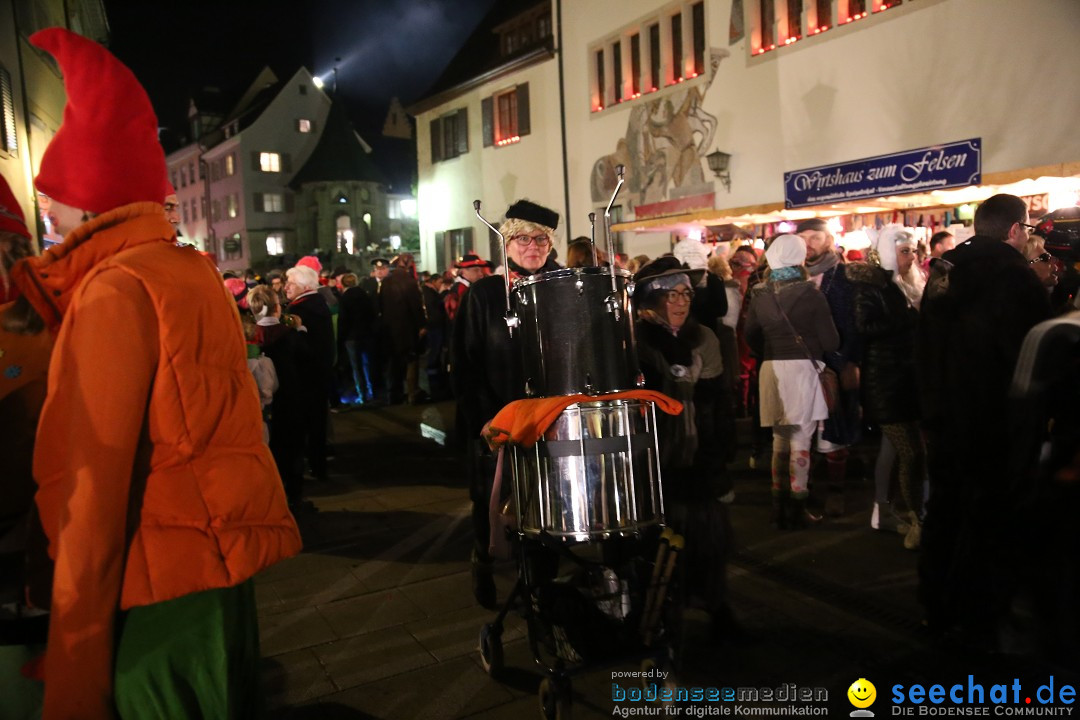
679 295
1044 258
523 241
1030 228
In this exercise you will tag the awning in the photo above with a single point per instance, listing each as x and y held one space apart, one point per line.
1061 181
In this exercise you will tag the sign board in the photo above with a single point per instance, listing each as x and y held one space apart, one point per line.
956 164
691 203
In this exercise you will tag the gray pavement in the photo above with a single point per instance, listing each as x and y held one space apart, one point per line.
376 618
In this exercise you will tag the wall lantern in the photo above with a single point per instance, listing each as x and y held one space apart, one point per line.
718 163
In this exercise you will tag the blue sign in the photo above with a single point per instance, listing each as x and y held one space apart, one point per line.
956 164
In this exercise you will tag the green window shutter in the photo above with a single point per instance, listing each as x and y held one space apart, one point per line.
436 140
487 120
523 127
462 131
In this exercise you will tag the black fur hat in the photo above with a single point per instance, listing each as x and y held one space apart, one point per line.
531 212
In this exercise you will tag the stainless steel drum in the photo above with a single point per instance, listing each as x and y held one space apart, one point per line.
594 474
571 342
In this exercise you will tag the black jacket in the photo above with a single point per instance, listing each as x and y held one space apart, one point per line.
978 306
315 316
357 317
402 310
710 302
886 326
288 350
436 311
485 363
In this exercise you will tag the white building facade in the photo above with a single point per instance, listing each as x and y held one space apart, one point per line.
780 86
494 138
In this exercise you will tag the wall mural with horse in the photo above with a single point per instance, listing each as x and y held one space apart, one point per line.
664 146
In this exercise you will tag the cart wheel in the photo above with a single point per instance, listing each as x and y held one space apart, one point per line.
491 650
648 665
554 697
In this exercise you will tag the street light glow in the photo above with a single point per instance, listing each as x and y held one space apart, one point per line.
318 82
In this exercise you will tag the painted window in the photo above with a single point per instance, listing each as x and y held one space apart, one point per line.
663 49
616 69
676 47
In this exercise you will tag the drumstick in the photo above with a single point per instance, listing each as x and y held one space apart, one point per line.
654 617
650 595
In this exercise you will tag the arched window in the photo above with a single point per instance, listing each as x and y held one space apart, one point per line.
344 234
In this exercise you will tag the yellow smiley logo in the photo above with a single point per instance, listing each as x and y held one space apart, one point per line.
862 693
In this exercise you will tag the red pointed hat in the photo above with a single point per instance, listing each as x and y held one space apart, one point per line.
11 215
106 153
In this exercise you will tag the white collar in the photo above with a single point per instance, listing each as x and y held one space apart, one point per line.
268 320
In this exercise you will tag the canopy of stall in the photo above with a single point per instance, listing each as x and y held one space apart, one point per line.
1059 183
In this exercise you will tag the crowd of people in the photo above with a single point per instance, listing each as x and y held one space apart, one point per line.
159 417
824 351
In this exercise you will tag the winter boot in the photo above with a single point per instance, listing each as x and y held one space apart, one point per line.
913 538
884 518
779 510
797 513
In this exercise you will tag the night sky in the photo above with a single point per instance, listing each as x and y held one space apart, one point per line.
387 47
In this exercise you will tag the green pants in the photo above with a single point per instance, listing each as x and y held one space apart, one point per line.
193 657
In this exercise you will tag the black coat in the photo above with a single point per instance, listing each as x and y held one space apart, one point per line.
436 312
886 326
710 302
288 350
357 317
315 316
402 310
972 324
485 363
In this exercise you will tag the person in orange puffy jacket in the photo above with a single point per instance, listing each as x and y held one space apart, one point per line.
158 496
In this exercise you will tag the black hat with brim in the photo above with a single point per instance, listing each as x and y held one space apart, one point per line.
663 267
380 262
471 260
531 212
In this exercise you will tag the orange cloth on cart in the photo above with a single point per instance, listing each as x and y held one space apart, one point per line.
522 422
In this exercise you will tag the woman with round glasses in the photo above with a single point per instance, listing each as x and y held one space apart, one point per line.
486 365
790 326
681 358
